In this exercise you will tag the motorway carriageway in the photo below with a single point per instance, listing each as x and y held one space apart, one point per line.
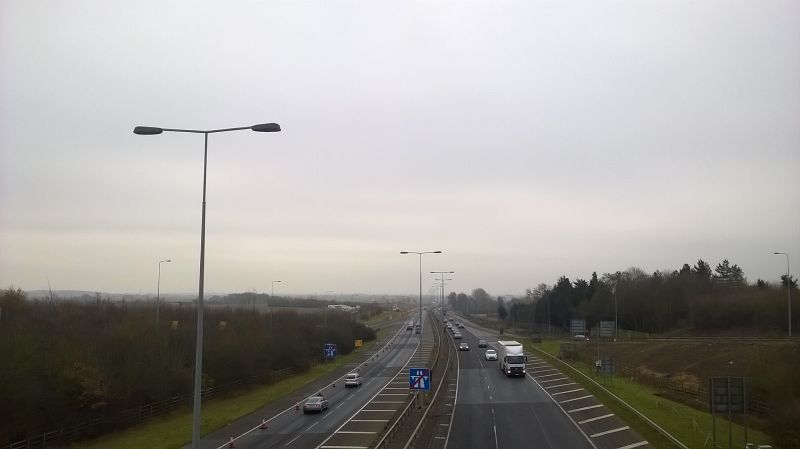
493 411
291 429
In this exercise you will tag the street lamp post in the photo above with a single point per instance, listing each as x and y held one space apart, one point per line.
420 253
788 291
442 273
158 288
198 366
271 295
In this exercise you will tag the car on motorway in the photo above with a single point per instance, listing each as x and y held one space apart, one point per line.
457 335
315 404
461 325
490 354
481 343
449 326
464 346
580 337
409 327
352 380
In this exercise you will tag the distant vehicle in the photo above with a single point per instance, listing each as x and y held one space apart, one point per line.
352 380
315 404
463 346
409 327
491 354
457 335
512 358
449 326
481 343
580 337
417 330
461 325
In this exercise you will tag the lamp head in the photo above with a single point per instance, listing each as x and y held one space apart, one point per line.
266 128
147 130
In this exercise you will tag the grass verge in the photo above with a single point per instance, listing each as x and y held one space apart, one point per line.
174 430
690 426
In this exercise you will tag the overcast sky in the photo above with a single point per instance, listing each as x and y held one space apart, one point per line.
525 139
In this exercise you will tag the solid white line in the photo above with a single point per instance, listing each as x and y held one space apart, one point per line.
631 446
546 370
293 440
568 391
369 420
585 408
575 399
375 410
356 432
595 418
548 375
619 429
344 447
392 394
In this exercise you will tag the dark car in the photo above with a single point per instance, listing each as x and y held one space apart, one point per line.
481 343
315 404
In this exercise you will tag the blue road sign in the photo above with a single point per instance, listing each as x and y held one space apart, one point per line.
330 350
419 379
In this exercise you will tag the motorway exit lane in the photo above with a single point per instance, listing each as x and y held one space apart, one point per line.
495 411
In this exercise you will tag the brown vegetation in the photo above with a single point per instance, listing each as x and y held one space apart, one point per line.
66 362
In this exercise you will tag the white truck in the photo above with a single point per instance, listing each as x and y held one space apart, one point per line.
512 359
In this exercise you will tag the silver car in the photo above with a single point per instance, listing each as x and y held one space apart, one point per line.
315 404
491 354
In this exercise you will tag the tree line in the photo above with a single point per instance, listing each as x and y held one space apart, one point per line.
690 297
64 362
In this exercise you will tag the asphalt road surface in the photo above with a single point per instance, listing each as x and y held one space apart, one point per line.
494 411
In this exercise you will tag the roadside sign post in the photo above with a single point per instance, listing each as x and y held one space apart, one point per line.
419 379
727 395
330 352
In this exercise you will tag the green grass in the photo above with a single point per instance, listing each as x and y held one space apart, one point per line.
174 429
690 426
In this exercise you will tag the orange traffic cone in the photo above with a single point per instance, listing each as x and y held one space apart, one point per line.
231 443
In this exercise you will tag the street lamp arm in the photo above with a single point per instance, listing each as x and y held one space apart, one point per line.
152 130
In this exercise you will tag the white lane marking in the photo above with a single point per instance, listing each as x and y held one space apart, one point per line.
546 370
393 394
596 418
548 375
561 385
357 432
553 380
568 391
631 446
376 410
494 425
388 402
338 406
344 447
312 425
618 429
369 420
585 408
574 399
293 440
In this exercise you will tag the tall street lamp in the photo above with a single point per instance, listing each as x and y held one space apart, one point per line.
198 365
420 253
442 273
158 288
271 295
788 290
